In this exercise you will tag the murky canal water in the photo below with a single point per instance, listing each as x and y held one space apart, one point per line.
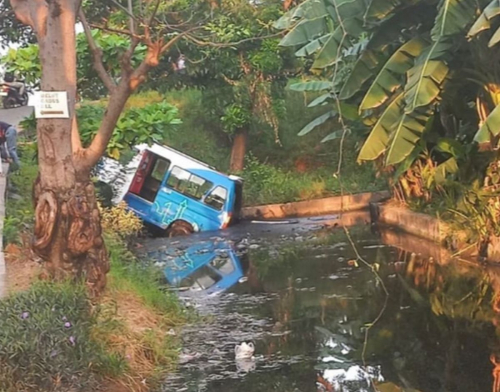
306 301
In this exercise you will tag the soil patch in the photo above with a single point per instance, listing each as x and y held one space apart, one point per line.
21 269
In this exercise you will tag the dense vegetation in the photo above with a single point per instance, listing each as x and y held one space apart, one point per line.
418 80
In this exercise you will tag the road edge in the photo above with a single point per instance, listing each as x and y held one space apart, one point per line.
3 194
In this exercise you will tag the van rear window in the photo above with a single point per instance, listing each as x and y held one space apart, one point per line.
188 184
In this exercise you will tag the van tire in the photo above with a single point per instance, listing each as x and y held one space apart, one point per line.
179 228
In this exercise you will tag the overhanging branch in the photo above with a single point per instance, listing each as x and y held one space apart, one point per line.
202 42
96 55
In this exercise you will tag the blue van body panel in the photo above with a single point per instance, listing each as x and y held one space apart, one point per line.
201 258
170 205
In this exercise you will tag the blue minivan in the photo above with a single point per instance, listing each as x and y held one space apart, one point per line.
179 194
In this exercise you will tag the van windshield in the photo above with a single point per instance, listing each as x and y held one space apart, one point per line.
217 198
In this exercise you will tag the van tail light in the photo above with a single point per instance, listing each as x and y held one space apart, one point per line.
226 220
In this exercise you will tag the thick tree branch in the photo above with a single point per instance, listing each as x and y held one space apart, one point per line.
124 9
113 111
23 12
153 15
76 142
174 40
115 31
201 42
130 81
96 55
126 60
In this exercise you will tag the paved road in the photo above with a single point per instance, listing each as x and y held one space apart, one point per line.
14 116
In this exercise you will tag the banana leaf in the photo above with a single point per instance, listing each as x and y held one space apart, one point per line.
490 128
317 122
390 76
482 23
426 77
453 17
305 31
396 133
312 85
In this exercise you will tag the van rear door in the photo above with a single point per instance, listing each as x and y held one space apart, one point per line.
238 202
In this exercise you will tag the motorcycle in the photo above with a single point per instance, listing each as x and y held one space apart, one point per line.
11 97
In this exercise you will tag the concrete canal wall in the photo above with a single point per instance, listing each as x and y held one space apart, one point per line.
417 224
315 207
426 227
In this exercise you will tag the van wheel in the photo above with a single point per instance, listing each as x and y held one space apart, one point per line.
180 228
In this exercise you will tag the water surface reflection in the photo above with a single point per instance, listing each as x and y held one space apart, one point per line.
306 304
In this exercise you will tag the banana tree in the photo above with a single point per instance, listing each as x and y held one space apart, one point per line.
412 62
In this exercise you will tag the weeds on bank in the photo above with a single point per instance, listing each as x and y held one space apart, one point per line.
266 184
127 274
19 211
46 340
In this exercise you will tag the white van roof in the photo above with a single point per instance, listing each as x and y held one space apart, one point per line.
176 157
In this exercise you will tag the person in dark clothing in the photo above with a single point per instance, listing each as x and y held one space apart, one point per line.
8 137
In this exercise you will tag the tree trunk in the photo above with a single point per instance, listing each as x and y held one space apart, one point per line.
67 223
239 150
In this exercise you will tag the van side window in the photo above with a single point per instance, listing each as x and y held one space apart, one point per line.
160 169
188 184
217 198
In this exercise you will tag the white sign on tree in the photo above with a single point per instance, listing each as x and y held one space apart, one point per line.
51 104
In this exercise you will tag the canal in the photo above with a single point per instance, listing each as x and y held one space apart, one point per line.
330 309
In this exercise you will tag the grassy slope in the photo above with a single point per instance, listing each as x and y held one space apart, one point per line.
300 168
125 338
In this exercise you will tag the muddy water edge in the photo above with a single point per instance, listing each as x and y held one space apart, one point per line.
308 303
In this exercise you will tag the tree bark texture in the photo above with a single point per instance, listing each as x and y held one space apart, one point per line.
239 150
67 232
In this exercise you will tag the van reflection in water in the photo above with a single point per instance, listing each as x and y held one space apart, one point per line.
206 268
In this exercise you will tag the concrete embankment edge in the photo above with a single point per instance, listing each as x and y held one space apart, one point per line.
426 227
315 207
415 223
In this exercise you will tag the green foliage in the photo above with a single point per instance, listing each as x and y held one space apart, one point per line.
19 211
242 84
424 78
113 47
235 117
271 174
25 62
46 340
147 124
266 184
403 82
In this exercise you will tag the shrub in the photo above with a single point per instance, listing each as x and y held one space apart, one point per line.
120 221
147 124
45 340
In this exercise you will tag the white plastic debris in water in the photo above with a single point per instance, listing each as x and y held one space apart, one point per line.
353 375
244 350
